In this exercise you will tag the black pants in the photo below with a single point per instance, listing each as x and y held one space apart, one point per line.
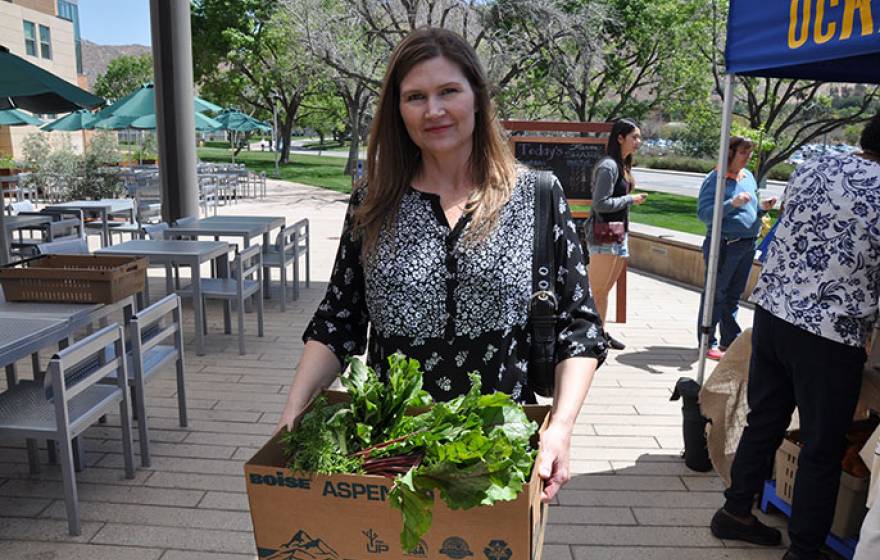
792 367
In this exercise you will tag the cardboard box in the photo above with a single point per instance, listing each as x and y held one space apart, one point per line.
347 517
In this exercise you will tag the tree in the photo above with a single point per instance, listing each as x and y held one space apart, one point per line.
790 112
124 74
323 111
249 50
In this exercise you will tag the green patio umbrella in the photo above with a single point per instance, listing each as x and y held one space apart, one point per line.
77 120
235 121
14 117
148 122
26 86
140 103
203 106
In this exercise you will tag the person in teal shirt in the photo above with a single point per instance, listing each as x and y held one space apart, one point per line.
740 227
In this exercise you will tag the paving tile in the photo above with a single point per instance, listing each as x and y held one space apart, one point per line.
110 493
191 555
36 550
181 450
183 465
590 498
637 536
556 552
180 538
140 514
197 481
671 553
45 530
569 515
22 507
225 501
630 483
215 438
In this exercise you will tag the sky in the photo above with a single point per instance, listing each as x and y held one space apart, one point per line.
115 22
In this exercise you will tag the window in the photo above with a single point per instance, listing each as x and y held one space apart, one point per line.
45 42
30 38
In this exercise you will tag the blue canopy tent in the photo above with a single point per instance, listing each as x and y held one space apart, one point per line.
831 41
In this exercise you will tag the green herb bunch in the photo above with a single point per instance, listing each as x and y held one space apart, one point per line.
473 449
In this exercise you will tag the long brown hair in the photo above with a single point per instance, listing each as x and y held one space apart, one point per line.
393 159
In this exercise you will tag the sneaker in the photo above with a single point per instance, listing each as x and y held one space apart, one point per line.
714 354
724 526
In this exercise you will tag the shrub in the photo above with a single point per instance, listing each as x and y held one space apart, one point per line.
217 144
677 163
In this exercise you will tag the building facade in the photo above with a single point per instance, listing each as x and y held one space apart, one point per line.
46 34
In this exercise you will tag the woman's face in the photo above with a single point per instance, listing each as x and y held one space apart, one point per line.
437 105
630 143
740 159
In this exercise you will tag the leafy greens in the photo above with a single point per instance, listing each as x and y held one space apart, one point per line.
473 450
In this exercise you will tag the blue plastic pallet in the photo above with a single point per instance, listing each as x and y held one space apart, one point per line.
844 547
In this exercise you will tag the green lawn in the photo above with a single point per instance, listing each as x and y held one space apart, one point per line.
326 172
663 210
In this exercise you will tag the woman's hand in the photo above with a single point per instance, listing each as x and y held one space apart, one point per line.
288 415
740 199
768 203
554 459
639 198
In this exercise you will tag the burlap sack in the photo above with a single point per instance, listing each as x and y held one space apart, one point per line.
723 400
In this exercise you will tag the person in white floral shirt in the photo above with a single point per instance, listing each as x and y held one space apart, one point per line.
816 300
435 257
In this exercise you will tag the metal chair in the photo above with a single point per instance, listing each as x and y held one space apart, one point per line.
64 247
64 228
154 231
241 286
156 340
67 402
292 243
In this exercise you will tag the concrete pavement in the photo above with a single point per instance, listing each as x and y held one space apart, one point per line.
631 496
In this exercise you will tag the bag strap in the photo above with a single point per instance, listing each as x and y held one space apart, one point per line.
543 303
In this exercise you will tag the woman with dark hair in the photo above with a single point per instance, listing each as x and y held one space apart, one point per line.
740 227
612 187
436 252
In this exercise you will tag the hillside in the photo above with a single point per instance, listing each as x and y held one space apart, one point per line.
96 57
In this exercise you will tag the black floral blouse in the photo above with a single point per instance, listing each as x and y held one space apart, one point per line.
454 307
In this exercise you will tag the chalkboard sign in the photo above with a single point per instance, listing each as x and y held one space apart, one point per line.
570 159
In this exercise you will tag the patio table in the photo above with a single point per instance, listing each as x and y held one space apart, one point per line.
64 318
246 227
105 208
178 252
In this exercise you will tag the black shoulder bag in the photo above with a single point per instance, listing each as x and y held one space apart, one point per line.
542 305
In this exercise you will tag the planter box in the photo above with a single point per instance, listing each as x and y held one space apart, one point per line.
303 515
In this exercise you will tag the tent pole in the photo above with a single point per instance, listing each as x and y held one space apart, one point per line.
715 241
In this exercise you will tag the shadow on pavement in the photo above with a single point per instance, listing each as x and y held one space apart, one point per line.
653 357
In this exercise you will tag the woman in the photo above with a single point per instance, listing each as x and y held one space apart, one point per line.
612 185
739 232
436 252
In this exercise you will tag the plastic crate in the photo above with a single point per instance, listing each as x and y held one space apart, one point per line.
74 278
850 510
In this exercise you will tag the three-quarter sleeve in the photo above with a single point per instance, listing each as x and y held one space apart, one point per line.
578 327
341 319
